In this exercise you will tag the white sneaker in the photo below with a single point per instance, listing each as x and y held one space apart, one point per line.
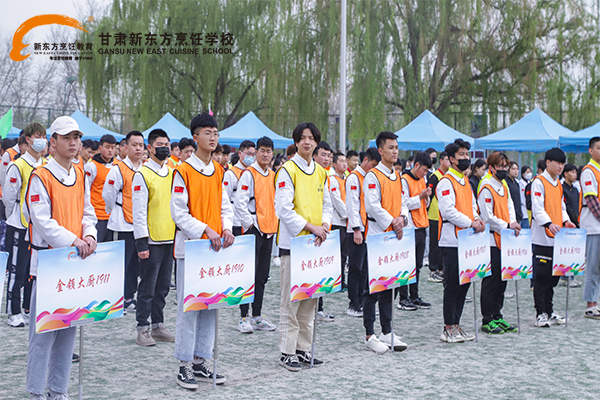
556 319
467 336
354 312
16 321
451 336
542 321
262 324
387 340
276 261
375 345
593 312
245 326
509 295
325 316
25 316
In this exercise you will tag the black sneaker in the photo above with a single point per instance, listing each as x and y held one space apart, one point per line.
75 358
203 373
290 362
304 356
406 305
420 303
129 305
185 378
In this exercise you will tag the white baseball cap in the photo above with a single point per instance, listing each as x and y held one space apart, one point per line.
64 125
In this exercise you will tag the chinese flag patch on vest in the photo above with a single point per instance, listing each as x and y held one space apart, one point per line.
178 189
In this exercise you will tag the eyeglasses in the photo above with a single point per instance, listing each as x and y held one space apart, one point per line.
211 134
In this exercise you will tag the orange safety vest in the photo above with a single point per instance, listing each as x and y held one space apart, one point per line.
415 187
464 201
13 153
500 208
363 211
205 194
342 186
67 202
79 165
553 198
264 200
127 205
391 195
96 191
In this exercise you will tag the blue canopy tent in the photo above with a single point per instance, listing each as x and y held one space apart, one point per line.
90 129
536 132
251 128
578 142
13 133
175 129
427 131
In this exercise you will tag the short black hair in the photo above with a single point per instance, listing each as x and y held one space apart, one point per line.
174 144
8 143
218 149
372 154
423 159
297 133
235 157
480 162
541 164
226 149
185 142
87 144
524 169
133 133
246 144
155 134
96 145
569 167
430 150
351 153
123 141
593 141
265 141
108 138
322 145
383 136
279 159
202 121
337 155
556 154
452 148
443 155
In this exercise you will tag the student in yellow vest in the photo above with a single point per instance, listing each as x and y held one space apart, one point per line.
386 212
497 209
61 216
303 207
117 197
247 151
357 221
154 231
174 159
458 210
96 171
255 204
549 215
201 210
415 194
9 155
337 191
436 271
225 157
13 196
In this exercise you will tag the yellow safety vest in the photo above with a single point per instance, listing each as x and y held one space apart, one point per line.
25 169
433 213
488 175
160 224
308 193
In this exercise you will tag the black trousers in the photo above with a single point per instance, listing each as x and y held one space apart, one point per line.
155 280
543 289
132 264
357 272
104 234
413 288
435 253
19 257
454 292
262 264
344 248
492 290
385 300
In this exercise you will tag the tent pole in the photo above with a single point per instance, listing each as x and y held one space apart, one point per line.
520 165
343 82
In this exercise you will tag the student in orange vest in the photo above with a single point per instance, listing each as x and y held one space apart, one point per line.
14 196
386 212
247 151
154 231
497 209
61 216
458 210
339 222
174 159
9 155
201 210
357 221
255 204
415 194
77 160
121 152
217 155
96 171
87 151
187 148
549 215
117 197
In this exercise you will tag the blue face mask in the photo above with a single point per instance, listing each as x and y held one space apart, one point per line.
248 160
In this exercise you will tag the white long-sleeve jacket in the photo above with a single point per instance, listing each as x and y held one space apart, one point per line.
538 211
485 200
111 193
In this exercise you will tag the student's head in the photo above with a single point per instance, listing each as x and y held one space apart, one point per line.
108 143
422 165
290 151
158 145
432 154
187 147
399 165
204 132
34 135
217 154
65 138
88 149
322 154
7 144
541 166
175 149
513 170
555 161
526 173
387 145
444 162
371 159
22 142
352 159
595 148
225 156
498 163
340 163
264 151
123 148
479 168
570 173
306 136
135 146
247 152
458 154
278 162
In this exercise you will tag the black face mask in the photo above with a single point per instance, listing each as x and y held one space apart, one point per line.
162 152
434 160
501 175
463 165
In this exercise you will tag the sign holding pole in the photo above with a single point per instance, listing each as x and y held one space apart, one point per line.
516 260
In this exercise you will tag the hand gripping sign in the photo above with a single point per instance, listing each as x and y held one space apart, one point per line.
474 261
391 261
516 255
569 252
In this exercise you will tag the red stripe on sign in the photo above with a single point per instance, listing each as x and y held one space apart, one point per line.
588 183
488 200
178 189
244 187
13 180
137 188
111 182
281 184
445 193
538 194
35 197
371 186
352 187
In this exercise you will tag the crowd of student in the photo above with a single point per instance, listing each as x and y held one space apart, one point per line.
155 196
